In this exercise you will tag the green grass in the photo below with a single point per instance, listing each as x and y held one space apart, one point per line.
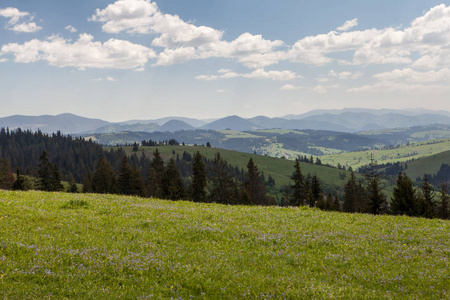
280 131
404 153
427 165
133 248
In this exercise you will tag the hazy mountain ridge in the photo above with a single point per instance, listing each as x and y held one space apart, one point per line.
345 120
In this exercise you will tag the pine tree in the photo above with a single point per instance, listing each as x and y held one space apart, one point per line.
173 187
45 173
154 183
336 206
351 197
198 192
298 187
6 175
87 183
136 182
104 179
19 184
55 180
254 184
427 205
124 181
404 200
72 185
316 191
223 188
443 211
377 200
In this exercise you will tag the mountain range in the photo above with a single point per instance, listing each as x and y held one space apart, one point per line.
345 120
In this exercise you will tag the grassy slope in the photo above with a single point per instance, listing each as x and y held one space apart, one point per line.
404 153
427 165
279 169
139 248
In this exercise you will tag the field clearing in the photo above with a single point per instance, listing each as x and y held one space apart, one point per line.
230 134
56 245
404 153
281 131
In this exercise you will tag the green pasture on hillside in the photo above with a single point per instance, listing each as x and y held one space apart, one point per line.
403 153
78 246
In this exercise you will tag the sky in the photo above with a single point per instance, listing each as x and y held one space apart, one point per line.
141 59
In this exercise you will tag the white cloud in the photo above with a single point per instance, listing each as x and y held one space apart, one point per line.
206 77
84 53
256 74
345 74
97 79
220 91
109 78
348 24
2 60
15 16
289 87
410 75
71 28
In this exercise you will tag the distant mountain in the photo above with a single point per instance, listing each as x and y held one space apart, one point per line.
191 122
66 123
114 127
232 122
175 125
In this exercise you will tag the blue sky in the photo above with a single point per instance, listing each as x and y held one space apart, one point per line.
140 59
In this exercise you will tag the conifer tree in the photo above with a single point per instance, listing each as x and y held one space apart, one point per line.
87 183
254 185
56 184
136 182
173 187
198 179
336 206
124 181
443 211
72 185
6 175
19 184
298 188
223 188
427 205
154 184
104 179
316 190
45 173
351 196
377 200
404 200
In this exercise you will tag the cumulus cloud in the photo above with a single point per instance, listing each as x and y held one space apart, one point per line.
256 74
84 53
181 40
348 25
70 28
16 20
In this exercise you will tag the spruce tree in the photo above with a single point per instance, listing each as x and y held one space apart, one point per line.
198 192
6 175
427 205
173 187
104 179
351 197
404 201
377 200
124 181
87 183
316 191
19 184
298 188
254 184
45 173
55 180
154 183
336 206
223 188
72 188
443 211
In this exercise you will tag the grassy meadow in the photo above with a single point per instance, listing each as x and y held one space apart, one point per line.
403 153
57 245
